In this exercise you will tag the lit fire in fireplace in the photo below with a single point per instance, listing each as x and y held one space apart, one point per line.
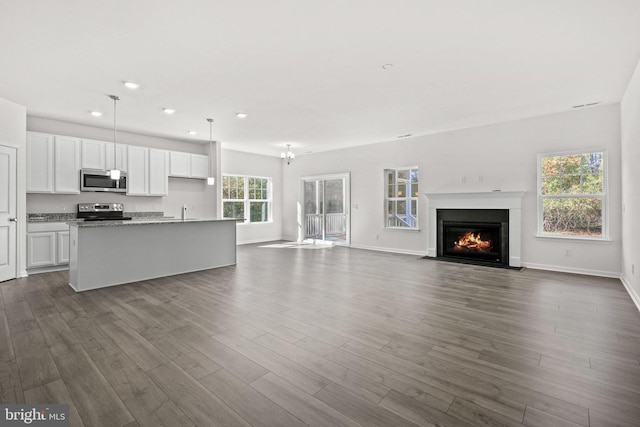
472 241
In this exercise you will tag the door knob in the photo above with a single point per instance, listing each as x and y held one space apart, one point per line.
13 219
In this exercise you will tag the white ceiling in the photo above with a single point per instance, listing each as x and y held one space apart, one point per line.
309 72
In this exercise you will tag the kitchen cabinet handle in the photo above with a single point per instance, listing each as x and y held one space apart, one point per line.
13 219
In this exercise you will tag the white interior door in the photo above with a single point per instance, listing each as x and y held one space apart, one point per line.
8 210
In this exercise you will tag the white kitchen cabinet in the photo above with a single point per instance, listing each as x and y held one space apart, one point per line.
199 166
179 164
39 163
53 164
188 165
66 165
93 154
47 244
158 172
148 171
62 255
137 171
121 157
41 249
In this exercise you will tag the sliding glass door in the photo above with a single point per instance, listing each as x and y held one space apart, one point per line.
325 213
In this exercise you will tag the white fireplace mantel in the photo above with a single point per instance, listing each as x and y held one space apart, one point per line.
511 200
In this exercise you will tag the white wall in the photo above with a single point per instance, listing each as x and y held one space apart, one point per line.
200 198
240 163
630 112
503 155
13 125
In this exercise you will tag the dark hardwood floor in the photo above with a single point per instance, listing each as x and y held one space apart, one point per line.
327 337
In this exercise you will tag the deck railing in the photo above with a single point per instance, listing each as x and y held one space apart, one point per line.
336 224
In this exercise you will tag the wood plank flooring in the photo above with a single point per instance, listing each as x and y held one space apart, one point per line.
327 337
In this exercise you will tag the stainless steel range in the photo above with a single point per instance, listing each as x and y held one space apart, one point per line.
101 212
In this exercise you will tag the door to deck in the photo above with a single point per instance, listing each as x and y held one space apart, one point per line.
325 213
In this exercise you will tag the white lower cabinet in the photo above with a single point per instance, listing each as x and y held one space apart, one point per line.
41 249
62 257
47 244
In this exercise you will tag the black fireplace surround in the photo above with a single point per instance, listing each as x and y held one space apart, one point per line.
474 235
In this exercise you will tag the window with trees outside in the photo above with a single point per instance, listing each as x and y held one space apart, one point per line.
572 194
401 198
247 198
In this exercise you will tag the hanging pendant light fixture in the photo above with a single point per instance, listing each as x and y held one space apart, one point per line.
115 172
210 179
288 156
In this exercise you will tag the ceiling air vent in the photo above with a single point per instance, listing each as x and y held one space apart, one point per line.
591 104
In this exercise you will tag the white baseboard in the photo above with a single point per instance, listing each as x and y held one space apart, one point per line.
562 269
46 269
635 297
250 242
392 250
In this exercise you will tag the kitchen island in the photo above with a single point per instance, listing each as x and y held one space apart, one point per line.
108 253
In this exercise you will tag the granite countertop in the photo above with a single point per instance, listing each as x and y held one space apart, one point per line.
71 217
142 221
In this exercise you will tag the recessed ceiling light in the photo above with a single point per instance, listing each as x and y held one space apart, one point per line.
169 110
131 85
241 115
387 66
192 132
96 113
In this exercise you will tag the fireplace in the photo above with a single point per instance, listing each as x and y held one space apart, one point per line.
508 240
480 235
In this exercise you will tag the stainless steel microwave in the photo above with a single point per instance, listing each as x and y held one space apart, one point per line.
99 180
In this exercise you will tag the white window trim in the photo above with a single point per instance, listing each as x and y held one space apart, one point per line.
247 201
387 198
604 196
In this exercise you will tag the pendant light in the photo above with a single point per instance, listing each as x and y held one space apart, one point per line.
115 172
288 156
210 179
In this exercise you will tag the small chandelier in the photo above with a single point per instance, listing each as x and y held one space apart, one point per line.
288 156
115 172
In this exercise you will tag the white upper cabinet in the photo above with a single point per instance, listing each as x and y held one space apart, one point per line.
93 154
66 165
121 157
180 164
137 171
39 163
188 165
158 172
199 166
53 164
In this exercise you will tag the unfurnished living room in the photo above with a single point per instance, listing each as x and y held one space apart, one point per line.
407 213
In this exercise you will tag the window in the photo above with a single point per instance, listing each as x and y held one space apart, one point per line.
572 194
242 195
401 198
